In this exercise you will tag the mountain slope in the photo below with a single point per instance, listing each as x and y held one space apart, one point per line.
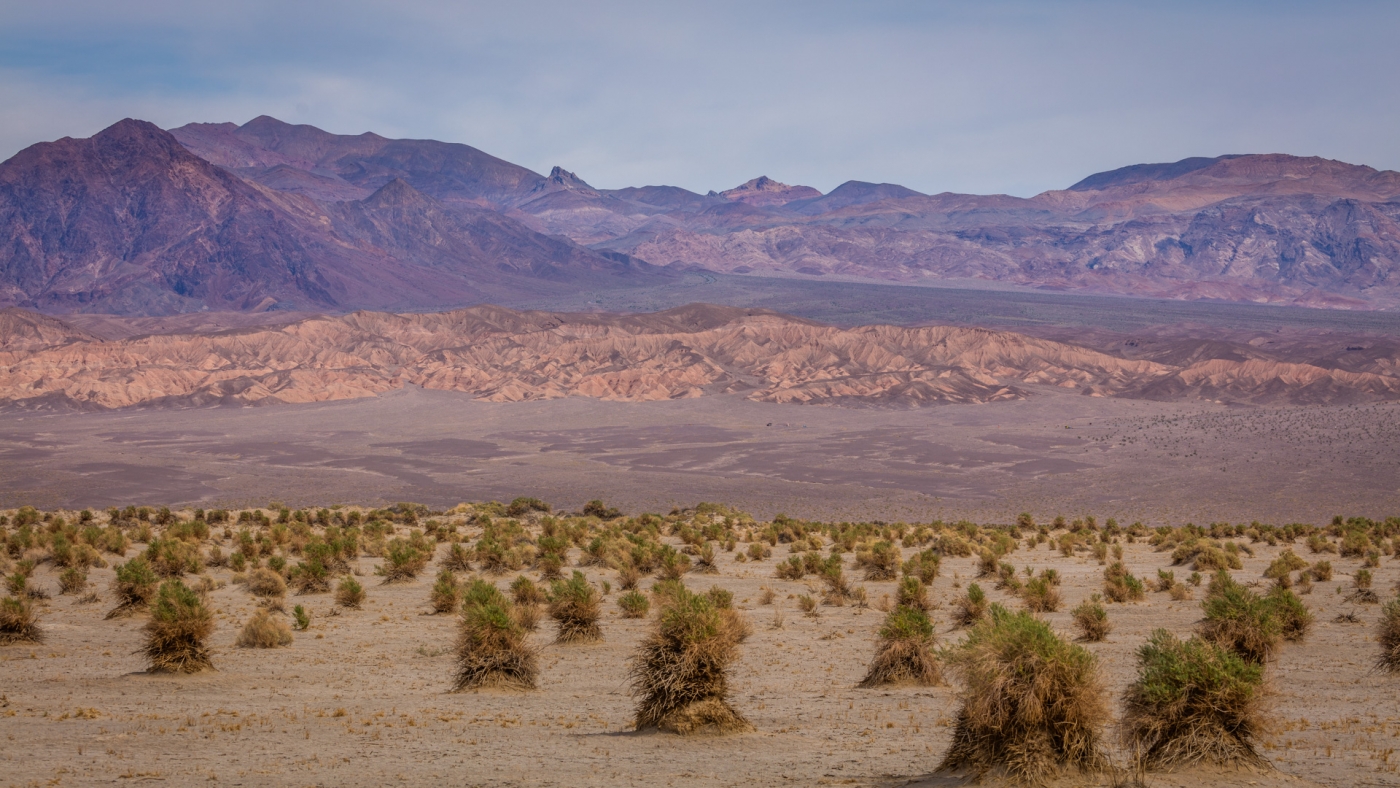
131 222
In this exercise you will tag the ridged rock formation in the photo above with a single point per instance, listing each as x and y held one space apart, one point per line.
499 355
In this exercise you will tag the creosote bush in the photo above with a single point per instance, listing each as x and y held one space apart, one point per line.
903 655
1031 703
18 622
349 593
176 634
680 671
1193 702
574 606
264 630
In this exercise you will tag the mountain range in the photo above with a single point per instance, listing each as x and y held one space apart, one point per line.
501 355
137 220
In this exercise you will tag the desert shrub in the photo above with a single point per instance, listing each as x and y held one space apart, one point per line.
18 622
705 559
134 586
923 565
171 557
1193 702
523 505
1240 620
1091 619
443 596
1120 586
679 673
266 583
903 655
913 593
881 562
1180 592
1388 636
1031 703
524 591
1293 616
791 569
72 580
1286 563
1361 579
1040 596
971 606
349 593
987 564
628 576
176 633
808 606
403 560
301 618
634 604
458 559
264 630
1321 571
574 606
492 650
1166 580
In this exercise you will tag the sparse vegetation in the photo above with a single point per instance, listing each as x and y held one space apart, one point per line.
574 606
1031 704
18 622
680 672
264 630
1240 620
176 634
1193 702
1388 635
349 593
1091 619
134 586
903 655
492 650
971 606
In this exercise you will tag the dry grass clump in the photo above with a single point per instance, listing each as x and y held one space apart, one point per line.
680 672
971 606
134 586
176 634
1389 637
349 593
266 583
1092 620
264 630
1193 702
574 606
1240 620
1032 704
18 622
491 647
903 655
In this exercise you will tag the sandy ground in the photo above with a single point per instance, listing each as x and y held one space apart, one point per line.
361 697
1056 453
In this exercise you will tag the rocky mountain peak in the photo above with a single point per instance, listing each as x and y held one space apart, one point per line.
766 191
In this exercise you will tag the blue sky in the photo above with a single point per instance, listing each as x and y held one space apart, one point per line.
1013 97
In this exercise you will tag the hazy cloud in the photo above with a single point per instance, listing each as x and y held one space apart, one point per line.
1012 97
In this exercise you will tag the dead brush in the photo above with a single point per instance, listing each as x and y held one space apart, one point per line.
1032 704
18 622
176 634
679 673
263 630
266 583
1388 635
492 650
574 605
904 655
133 586
1193 702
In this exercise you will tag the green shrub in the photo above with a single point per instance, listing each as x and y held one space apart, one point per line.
1388 635
301 617
443 596
634 604
1092 620
492 650
912 593
970 608
1240 620
403 560
1293 616
18 622
1192 702
349 593
134 586
1040 596
1031 703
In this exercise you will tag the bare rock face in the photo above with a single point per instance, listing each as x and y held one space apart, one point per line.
500 355
766 191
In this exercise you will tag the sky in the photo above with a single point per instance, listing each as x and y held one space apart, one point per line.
979 97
